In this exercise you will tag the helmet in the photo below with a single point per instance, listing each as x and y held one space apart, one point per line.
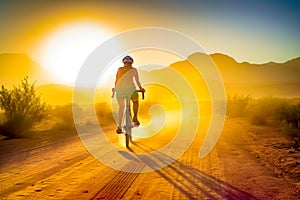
127 59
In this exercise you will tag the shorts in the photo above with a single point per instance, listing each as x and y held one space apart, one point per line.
123 92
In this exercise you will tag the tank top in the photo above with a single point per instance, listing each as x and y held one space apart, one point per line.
125 77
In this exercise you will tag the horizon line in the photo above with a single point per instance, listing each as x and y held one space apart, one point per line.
210 54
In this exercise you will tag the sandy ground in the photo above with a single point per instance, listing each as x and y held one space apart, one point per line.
249 162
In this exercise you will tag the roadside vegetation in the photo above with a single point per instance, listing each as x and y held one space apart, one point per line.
284 111
63 115
104 113
21 108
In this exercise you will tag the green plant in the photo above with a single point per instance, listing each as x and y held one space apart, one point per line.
21 109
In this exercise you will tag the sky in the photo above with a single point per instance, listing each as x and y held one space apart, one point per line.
254 31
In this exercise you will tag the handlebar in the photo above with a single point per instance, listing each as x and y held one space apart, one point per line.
142 91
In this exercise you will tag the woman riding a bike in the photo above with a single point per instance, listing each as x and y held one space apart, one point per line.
124 86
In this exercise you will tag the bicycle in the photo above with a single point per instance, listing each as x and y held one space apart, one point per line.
128 119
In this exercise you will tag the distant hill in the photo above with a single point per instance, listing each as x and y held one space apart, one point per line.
56 94
14 67
278 79
234 72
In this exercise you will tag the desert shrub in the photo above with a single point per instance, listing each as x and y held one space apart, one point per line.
263 109
238 105
286 127
64 113
2 118
21 109
104 112
289 111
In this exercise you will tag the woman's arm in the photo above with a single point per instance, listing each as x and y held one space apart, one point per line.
136 78
117 79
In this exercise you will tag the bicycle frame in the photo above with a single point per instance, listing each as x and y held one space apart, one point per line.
128 120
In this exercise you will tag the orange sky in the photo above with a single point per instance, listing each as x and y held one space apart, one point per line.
252 31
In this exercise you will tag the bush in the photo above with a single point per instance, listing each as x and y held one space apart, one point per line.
238 105
64 113
263 109
21 109
289 111
286 128
104 113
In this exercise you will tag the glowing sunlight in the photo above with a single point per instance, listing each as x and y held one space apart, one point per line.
65 49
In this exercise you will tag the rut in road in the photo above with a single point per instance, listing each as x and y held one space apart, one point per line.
190 177
32 178
119 185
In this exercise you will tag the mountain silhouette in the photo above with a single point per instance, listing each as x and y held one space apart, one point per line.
14 67
56 94
234 72
278 79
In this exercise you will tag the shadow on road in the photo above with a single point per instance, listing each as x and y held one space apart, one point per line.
189 181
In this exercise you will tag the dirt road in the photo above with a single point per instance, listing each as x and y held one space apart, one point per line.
65 170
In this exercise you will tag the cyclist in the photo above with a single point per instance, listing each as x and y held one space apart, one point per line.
124 86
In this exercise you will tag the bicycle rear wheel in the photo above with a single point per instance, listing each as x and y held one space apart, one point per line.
128 139
128 136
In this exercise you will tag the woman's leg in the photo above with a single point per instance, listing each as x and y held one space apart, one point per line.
121 112
135 102
135 108
135 112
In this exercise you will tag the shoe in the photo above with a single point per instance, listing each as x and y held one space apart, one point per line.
119 130
136 122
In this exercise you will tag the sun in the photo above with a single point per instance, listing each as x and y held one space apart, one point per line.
64 50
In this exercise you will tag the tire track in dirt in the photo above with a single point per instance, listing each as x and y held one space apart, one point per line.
77 177
183 179
78 181
205 178
23 171
36 149
119 184
34 177
220 175
194 173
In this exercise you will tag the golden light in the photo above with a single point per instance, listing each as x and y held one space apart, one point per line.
64 50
